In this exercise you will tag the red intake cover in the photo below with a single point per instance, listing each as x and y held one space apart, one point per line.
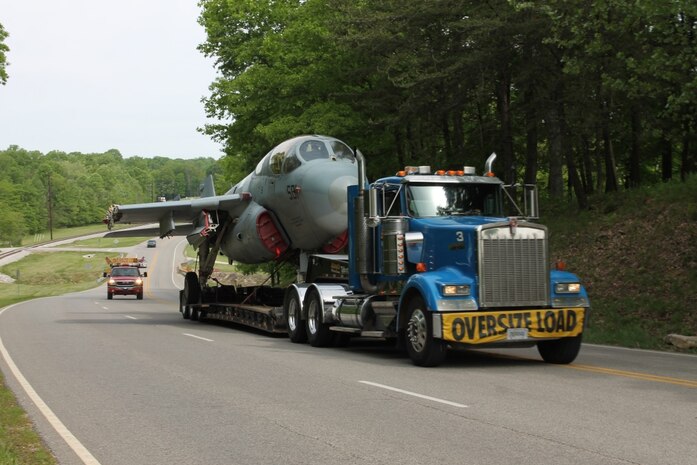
269 234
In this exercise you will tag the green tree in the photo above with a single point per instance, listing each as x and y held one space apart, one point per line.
3 55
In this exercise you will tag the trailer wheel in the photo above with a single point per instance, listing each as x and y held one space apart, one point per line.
318 333
423 349
560 351
194 314
292 311
192 292
183 307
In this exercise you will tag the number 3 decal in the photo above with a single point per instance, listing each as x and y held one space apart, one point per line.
460 236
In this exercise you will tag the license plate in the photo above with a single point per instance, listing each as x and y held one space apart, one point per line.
516 334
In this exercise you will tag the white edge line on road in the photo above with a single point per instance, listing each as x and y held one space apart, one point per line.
421 396
130 317
174 262
198 337
77 447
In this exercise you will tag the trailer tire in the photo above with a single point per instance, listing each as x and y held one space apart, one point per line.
423 349
560 351
318 333
183 308
192 288
292 310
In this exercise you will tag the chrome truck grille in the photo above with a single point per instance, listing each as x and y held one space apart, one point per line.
513 265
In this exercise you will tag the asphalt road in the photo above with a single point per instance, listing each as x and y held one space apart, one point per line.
130 382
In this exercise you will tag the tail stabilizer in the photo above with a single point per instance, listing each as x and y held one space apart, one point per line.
207 188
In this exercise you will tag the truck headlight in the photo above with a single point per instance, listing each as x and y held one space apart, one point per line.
112 282
139 282
455 289
567 288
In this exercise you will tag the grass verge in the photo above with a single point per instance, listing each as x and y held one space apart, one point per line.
636 252
40 275
66 233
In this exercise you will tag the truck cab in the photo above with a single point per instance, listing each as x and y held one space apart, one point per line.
445 260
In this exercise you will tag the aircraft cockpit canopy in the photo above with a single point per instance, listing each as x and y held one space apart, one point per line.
287 156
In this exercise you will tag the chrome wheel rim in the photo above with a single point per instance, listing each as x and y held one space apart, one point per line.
292 308
417 330
312 317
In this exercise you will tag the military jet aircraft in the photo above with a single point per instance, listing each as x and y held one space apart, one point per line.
293 203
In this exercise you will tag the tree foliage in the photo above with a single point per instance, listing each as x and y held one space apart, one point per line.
576 96
81 187
3 55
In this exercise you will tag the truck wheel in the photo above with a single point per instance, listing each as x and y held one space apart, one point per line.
560 351
139 296
292 311
318 333
423 349
194 314
109 295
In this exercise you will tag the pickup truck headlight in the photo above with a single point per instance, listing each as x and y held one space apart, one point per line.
456 289
567 288
112 282
139 282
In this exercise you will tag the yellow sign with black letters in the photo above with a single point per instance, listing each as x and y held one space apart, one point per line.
485 327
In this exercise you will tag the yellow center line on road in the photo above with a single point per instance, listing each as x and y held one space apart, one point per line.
635 375
691 383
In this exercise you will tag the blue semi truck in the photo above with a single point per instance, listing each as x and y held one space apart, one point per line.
435 262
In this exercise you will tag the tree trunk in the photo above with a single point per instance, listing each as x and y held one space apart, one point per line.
531 140
556 160
445 127
587 165
458 136
634 155
610 166
574 180
503 102
687 160
666 159
599 161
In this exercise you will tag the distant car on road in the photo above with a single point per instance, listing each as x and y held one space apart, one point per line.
152 243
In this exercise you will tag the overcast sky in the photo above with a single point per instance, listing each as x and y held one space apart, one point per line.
93 75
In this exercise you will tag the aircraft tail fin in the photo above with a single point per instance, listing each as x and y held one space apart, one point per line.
207 188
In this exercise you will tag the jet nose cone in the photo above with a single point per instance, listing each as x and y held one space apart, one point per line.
333 218
337 193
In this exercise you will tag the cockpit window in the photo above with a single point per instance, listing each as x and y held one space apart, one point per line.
313 150
290 163
276 162
454 200
341 150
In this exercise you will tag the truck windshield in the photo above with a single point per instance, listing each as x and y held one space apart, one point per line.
426 200
124 272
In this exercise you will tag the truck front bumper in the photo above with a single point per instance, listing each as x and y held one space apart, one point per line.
509 325
125 290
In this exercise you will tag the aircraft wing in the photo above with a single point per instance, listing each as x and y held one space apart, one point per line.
182 211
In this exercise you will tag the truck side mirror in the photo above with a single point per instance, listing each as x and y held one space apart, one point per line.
145 274
104 275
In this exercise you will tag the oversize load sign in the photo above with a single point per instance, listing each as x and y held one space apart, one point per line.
480 328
